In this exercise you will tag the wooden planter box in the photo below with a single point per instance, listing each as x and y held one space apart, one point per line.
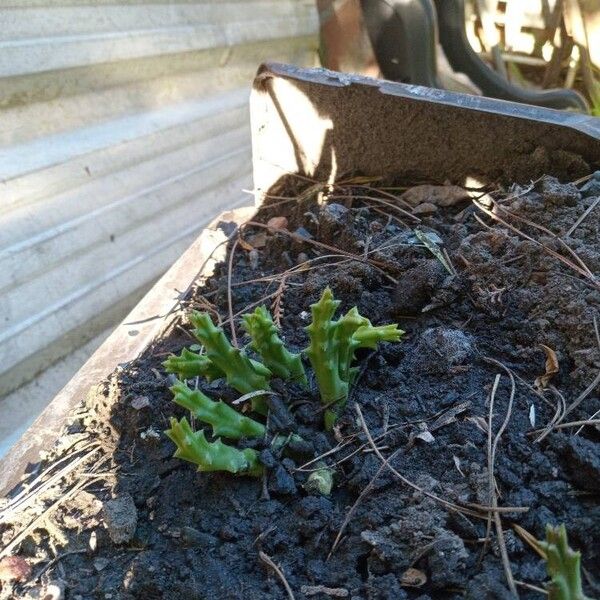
324 124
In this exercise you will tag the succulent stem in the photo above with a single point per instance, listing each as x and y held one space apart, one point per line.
332 347
225 421
241 373
190 364
563 565
266 342
211 456
323 350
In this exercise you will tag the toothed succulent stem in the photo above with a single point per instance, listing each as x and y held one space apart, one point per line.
266 342
332 347
323 350
225 421
346 326
369 336
211 456
241 373
563 565
190 364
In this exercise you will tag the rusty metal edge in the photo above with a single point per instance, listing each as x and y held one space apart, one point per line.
147 321
586 124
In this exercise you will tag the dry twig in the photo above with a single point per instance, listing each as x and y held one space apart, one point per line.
492 446
269 561
582 217
359 500
229 298
472 509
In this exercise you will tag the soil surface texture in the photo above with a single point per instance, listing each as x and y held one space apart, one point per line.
498 292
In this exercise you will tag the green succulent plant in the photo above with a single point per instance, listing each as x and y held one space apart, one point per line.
225 420
191 364
331 352
241 373
266 342
211 456
563 565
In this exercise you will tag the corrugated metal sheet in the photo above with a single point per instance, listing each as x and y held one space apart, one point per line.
123 129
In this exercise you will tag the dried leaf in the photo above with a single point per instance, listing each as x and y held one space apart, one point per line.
426 436
542 381
457 464
258 240
432 247
480 422
14 568
425 208
413 578
277 223
244 244
440 195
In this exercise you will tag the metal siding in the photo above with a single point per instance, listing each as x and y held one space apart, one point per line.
123 130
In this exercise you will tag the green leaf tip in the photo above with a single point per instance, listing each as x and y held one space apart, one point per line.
332 348
191 364
563 566
266 342
211 456
241 373
225 420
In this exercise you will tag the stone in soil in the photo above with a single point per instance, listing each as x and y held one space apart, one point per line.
120 518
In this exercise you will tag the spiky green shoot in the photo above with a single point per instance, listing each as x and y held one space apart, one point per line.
267 343
191 364
332 348
224 419
242 374
563 565
211 456
323 354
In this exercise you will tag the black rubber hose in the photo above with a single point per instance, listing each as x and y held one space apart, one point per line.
462 57
403 34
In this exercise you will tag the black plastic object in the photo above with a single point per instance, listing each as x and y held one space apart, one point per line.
403 34
462 58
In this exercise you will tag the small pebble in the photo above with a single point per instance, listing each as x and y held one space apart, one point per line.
281 482
140 402
303 233
120 517
277 223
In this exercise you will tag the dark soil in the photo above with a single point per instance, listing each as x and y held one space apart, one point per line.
182 534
